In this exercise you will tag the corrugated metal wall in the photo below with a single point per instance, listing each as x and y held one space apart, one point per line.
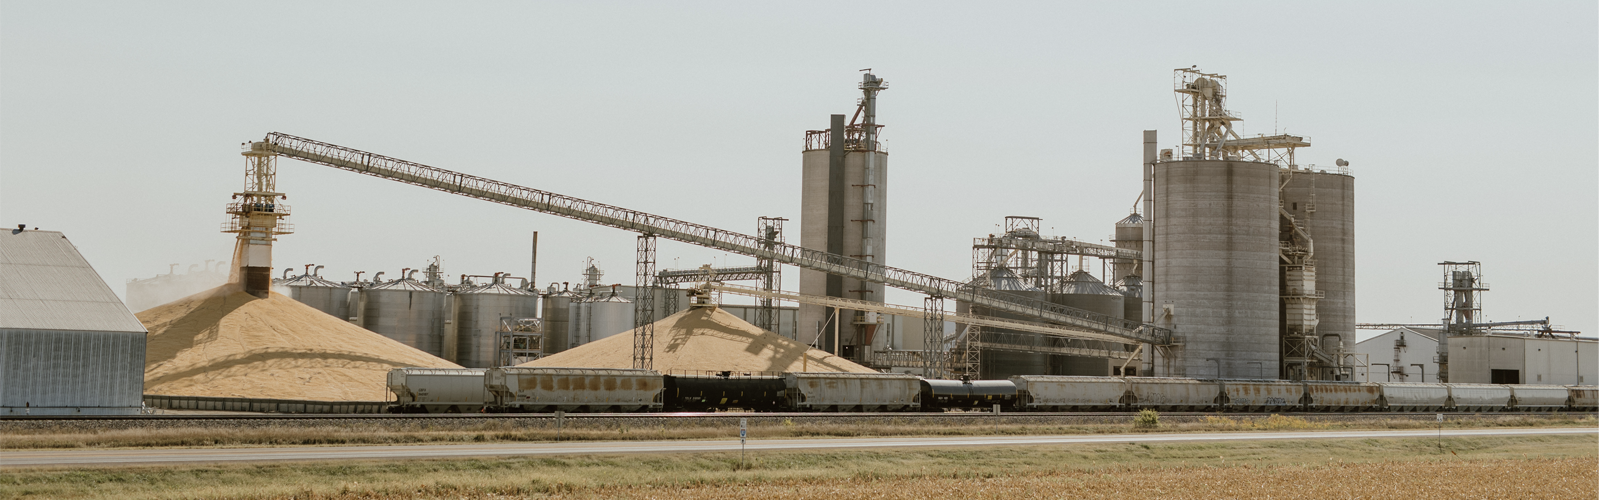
70 369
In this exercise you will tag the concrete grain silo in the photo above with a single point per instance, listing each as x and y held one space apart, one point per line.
1324 202
1216 265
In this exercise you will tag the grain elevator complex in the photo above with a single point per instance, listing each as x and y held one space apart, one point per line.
1236 264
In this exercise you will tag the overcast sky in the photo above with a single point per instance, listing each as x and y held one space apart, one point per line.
1470 126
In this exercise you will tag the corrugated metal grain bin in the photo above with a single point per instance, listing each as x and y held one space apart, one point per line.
1343 396
1056 393
1262 395
852 391
574 389
438 390
68 346
1583 397
1410 396
1174 394
1539 397
1479 397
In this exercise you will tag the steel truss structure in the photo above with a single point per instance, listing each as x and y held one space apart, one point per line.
417 174
644 304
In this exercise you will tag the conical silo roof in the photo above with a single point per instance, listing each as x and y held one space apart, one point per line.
1083 283
405 284
1001 278
495 289
314 281
1131 220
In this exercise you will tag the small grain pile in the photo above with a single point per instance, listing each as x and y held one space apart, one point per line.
227 343
705 339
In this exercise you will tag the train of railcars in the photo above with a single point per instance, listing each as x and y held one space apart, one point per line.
521 389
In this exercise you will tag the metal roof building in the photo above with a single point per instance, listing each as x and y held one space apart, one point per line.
68 345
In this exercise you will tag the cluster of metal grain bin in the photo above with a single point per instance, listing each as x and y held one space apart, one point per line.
461 322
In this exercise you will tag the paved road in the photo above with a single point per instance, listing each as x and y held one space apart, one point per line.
79 458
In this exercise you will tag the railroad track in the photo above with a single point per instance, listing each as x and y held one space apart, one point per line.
762 415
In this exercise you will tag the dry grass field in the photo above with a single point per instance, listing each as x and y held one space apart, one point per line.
1488 467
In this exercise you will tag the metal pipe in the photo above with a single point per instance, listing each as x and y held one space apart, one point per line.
412 272
533 263
317 272
286 272
1147 265
377 278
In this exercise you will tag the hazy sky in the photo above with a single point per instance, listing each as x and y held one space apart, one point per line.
1470 126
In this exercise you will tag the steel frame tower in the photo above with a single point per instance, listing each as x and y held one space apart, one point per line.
1463 281
257 218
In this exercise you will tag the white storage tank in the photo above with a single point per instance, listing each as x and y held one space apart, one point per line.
477 312
320 294
608 315
556 311
406 311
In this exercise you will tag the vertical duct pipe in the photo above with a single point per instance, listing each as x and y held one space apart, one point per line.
533 264
1147 253
836 191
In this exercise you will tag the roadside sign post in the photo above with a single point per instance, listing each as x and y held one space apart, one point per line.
1439 417
742 430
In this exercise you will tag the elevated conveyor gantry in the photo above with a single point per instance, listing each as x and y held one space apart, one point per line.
417 174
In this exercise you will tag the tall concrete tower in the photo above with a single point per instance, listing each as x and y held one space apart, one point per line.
843 196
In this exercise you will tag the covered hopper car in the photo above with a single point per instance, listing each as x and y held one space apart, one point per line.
514 389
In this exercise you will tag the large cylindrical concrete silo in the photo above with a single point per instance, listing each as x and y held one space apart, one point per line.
1216 265
1324 202
845 207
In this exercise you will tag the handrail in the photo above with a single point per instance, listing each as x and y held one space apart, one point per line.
417 174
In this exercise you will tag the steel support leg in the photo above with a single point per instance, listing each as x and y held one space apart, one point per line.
932 336
644 304
770 231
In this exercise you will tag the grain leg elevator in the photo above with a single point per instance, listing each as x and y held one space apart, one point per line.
844 188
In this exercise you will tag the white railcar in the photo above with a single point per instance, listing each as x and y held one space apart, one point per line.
1583 397
1064 393
1412 396
1539 397
1174 394
530 389
1479 397
1262 395
852 391
1342 396
437 390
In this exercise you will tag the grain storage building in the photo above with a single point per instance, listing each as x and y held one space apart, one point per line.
67 343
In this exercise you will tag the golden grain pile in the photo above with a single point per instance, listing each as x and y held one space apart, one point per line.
705 339
227 343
